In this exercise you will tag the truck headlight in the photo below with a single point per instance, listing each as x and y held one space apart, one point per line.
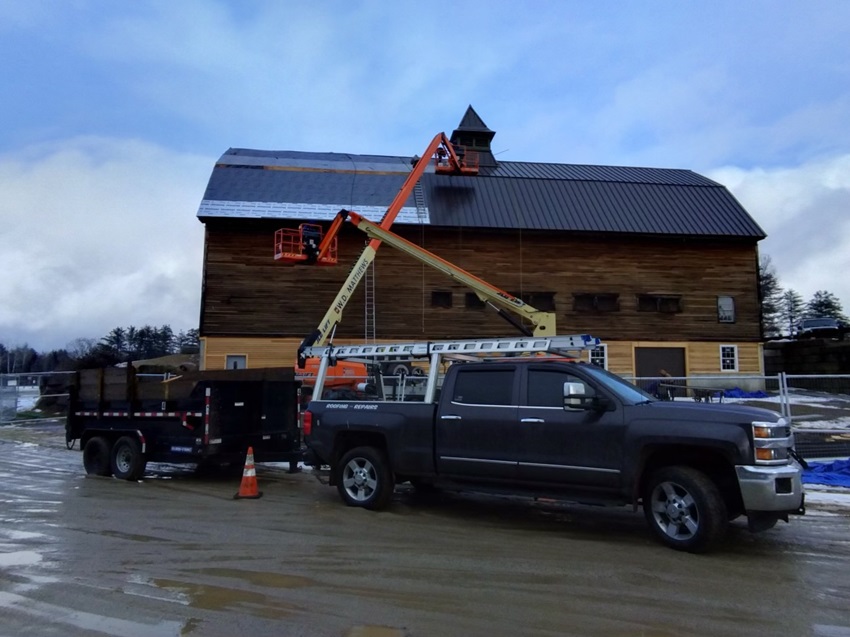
771 441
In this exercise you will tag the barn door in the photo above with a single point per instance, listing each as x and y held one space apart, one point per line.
649 361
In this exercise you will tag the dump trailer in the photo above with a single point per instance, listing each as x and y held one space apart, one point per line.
124 420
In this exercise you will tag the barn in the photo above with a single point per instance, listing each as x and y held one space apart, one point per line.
659 263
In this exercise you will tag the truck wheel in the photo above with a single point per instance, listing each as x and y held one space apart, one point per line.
128 461
365 479
96 457
396 369
685 509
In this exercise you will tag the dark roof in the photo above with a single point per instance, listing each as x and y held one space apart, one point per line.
471 121
562 197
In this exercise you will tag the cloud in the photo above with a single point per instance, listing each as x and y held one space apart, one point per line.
98 233
805 210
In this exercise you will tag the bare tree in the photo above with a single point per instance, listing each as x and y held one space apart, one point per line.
81 347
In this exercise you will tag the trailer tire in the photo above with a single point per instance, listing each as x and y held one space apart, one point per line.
364 478
127 460
685 509
96 457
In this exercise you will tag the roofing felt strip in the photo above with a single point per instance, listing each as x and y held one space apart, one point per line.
302 211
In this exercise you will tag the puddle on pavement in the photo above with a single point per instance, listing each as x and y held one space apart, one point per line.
374 631
20 535
19 558
258 578
34 583
208 597
89 622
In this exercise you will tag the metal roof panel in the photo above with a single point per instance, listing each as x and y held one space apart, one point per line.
535 196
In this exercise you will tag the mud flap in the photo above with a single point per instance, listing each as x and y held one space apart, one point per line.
758 521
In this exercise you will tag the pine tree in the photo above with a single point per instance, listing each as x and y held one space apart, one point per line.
116 340
825 305
770 295
792 310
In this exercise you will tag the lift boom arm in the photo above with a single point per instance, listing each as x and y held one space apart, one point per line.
507 305
448 161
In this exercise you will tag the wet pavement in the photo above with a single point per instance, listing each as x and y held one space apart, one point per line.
175 554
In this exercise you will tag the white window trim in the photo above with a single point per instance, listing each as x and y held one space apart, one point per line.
604 348
734 348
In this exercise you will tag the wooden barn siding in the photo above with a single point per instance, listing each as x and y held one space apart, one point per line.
700 357
246 292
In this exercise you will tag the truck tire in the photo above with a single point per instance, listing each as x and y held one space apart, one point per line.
96 457
128 461
685 509
364 478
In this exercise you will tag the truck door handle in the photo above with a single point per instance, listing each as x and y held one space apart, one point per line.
532 420
450 417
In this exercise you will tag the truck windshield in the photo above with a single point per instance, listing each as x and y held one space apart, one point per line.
624 390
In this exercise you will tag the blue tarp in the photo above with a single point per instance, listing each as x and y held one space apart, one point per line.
836 473
737 392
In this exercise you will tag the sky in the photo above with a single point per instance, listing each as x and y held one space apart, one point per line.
114 113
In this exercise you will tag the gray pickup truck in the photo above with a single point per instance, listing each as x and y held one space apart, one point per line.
553 427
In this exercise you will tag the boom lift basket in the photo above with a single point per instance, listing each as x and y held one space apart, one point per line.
467 162
301 245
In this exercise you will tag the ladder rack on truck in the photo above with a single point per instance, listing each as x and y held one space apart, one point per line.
437 352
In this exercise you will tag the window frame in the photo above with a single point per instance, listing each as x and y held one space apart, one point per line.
543 301
590 355
442 299
472 302
735 360
599 302
659 303
721 318
242 357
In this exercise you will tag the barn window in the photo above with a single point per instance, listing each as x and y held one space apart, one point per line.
663 303
472 302
236 361
728 358
725 309
599 356
543 301
596 302
441 298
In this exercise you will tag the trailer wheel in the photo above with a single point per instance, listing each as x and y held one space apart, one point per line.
685 509
364 478
96 457
128 461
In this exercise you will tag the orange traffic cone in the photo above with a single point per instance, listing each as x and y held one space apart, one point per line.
248 488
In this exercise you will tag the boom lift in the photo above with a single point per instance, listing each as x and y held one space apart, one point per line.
313 248
507 305
346 374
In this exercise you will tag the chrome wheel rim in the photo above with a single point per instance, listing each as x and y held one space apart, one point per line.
675 511
360 479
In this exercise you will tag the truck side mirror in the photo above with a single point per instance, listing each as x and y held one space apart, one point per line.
575 396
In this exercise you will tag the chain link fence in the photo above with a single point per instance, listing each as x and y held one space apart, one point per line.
33 397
